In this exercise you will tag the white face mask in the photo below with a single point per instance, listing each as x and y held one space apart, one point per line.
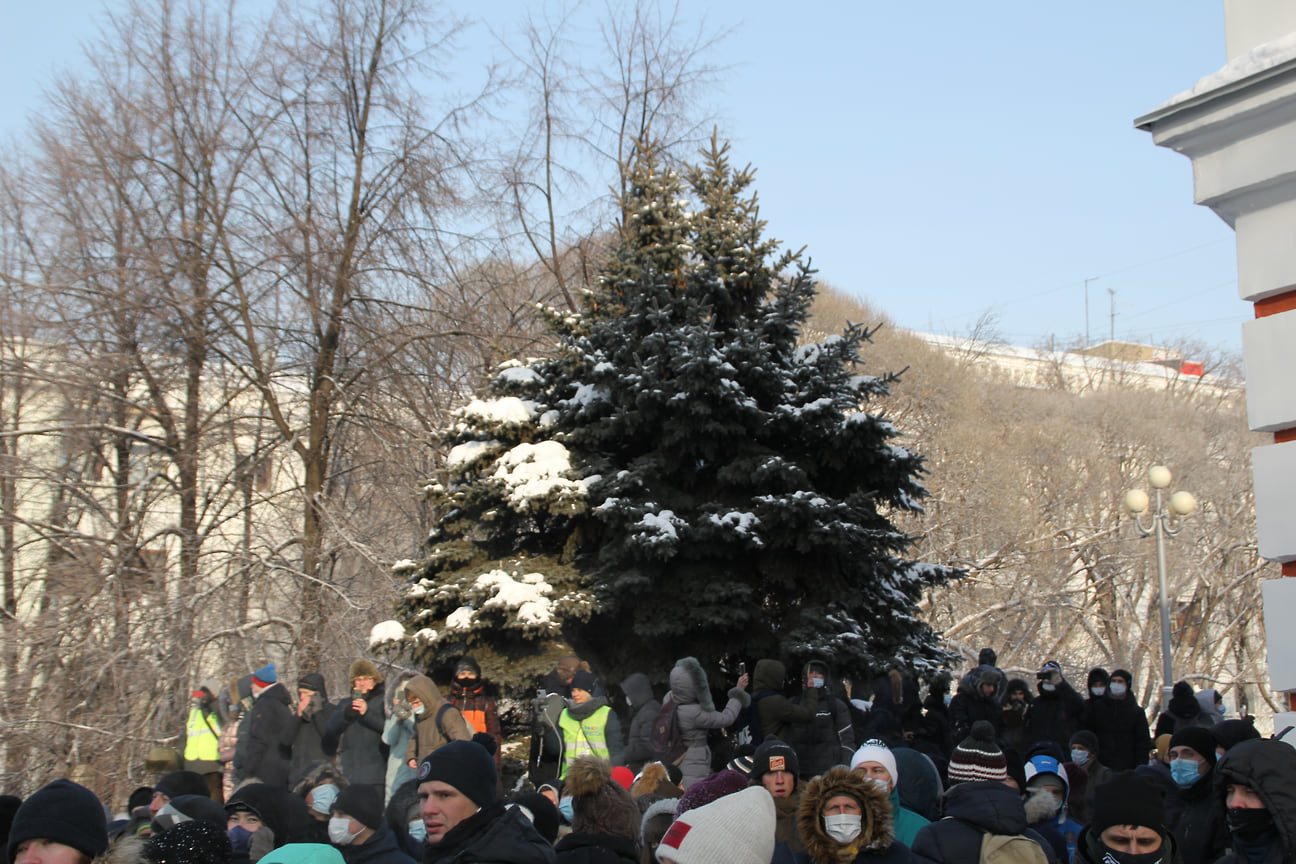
1097 691
1048 687
339 833
1117 689
843 827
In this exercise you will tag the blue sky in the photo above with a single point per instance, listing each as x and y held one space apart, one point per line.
942 160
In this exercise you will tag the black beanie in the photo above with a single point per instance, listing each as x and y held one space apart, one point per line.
583 680
774 755
61 812
987 657
1085 739
466 766
179 783
190 843
1230 732
1127 799
542 813
1198 738
363 803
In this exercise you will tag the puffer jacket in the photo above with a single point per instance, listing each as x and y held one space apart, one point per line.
972 810
827 740
1269 768
638 748
429 734
696 716
773 710
876 842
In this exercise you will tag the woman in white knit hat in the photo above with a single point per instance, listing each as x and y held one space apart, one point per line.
737 829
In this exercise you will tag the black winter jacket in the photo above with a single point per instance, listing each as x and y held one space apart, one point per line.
312 729
972 810
1196 817
1269 768
970 704
644 708
357 738
1055 716
381 848
272 727
1122 730
492 835
595 849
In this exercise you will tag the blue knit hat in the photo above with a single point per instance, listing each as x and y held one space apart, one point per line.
265 676
62 812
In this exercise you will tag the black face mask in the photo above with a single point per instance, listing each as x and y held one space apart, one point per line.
1249 823
1111 856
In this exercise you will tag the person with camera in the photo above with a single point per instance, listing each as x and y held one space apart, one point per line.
356 728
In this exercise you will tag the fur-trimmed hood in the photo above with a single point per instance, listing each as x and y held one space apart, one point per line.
876 830
688 683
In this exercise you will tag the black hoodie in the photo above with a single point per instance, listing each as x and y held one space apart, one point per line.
272 727
1268 768
972 810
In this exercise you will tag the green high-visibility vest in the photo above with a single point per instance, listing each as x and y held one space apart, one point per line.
586 737
200 738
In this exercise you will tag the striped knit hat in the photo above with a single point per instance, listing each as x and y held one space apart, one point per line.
978 757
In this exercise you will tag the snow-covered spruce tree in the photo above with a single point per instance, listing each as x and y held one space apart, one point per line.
681 477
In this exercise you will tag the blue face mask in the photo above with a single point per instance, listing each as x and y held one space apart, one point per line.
240 840
418 830
565 808
1184 772
949 698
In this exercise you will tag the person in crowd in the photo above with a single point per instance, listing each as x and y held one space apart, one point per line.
587 725
173 784
1086 768
463 817
876 763
271 730
775 766
313 713
470 695
653 826
319 787
697 715
60 823
1128 825
558 679
895 706
263 817
771 710
643 707
356 826
979 697
356 727
1058 710
938 727
843 818
187 808
660 780
1256 782
1096 684
919 784
979 801
605 820
436 721
304 853
202 739
193 842
1230 733
398 731
1120 724
542 813
1016 707
735 829
1196 817
1212 704
236 699
1046 811
1183 710
828 739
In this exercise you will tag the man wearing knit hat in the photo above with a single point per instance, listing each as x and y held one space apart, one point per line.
735 829
1129 821
465 820
775 766
1198 823
356 728
60 823
589 727
357 827
979 801
272 726
874 761
175 784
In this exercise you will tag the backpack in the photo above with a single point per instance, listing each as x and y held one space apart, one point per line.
1010 849
664 738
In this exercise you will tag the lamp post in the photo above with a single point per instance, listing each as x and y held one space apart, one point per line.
1165 522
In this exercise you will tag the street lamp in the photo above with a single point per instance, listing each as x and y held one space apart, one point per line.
1164 523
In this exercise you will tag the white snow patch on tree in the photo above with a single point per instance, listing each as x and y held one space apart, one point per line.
663 524
405 565
505 410
537 471
425 636
460 619
461 456
386 631
520 375
526 596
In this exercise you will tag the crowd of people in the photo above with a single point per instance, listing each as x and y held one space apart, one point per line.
784 769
